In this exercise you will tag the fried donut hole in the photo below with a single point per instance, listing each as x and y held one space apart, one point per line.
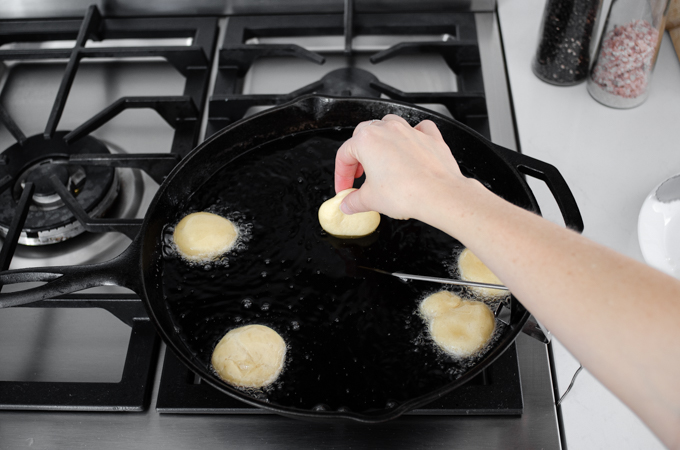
204 236
471 268
251 356
459 327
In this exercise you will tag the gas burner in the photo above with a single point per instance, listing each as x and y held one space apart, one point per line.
42 161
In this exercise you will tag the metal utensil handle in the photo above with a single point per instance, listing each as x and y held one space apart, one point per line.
119 271
449 281
553 179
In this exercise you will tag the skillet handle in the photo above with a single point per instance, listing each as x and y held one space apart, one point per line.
565 200
552 178
122 270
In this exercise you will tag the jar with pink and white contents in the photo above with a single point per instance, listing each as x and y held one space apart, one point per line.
621 72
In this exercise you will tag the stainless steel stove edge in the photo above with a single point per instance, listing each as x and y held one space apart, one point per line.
18 9
536 428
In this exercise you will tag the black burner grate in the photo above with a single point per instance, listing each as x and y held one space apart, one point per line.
459 50
496 391
183 113
132 393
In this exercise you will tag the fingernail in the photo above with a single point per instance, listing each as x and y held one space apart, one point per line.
345 209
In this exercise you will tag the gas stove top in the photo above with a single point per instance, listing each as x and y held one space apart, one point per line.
96 110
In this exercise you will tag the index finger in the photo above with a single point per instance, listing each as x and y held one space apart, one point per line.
347 167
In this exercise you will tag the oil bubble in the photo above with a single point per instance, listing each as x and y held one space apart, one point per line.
265 307
295 325
247 303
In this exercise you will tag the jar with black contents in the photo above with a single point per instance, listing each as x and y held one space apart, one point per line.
564 45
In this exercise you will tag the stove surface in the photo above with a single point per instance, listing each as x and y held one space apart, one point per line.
100 337
536 428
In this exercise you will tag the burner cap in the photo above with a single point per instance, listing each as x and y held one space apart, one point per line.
36 161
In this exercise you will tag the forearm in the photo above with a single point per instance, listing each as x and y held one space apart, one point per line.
616 315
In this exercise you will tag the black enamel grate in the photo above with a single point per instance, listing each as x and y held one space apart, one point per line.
182 112
496 391
131 393
460 51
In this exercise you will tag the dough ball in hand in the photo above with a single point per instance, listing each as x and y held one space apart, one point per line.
459 327
339 224
472 268
204 236
250 356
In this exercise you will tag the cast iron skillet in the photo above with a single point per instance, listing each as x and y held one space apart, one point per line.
357 348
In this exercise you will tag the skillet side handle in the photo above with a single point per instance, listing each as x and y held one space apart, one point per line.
553 179
122 270
565 201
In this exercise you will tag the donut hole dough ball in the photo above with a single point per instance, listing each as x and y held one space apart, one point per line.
339 224
471 268
459 327
204 236
439 304
251 356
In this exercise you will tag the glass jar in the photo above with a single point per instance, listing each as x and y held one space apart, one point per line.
564 45
625 58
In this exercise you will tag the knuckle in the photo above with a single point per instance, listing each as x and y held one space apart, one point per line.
364 134
393 125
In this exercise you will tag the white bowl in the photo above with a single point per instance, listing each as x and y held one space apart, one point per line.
659 227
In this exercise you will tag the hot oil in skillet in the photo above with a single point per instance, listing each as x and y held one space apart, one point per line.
354 340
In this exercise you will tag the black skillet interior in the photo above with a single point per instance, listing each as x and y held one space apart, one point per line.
356 346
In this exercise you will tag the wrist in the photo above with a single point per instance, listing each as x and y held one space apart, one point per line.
456 205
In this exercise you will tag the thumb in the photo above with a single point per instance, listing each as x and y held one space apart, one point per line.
353 203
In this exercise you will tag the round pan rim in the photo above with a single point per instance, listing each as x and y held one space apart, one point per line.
363 417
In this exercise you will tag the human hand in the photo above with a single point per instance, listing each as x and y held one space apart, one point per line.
406 167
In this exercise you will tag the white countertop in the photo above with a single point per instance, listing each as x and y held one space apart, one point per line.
611 159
